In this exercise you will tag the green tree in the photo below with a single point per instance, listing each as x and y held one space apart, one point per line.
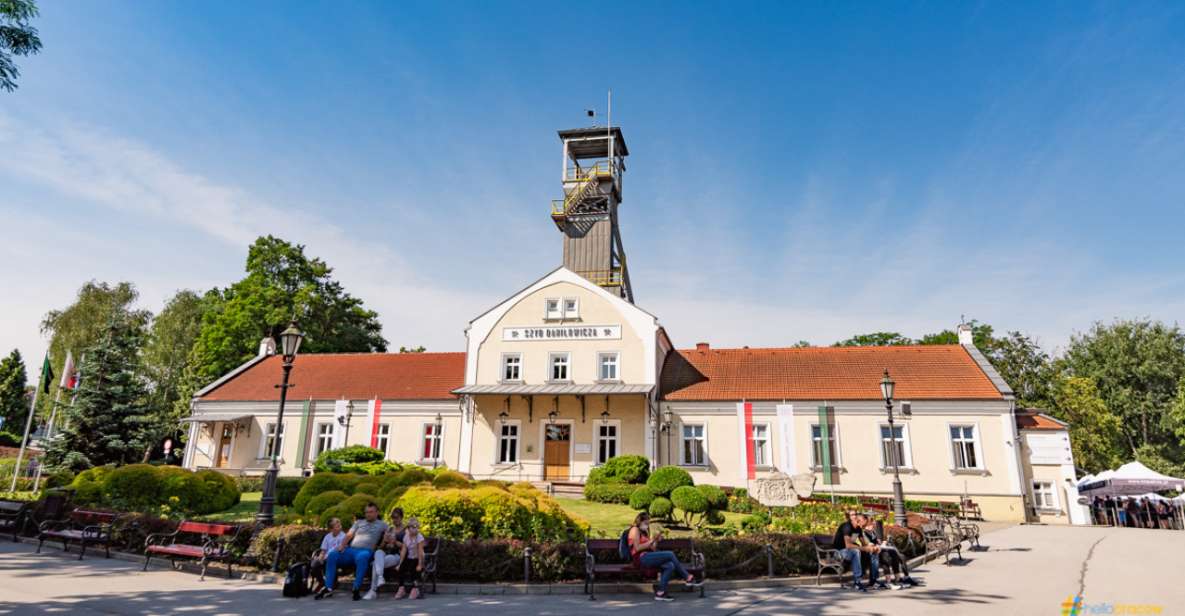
1025 367
416 349
282 283
166 351
17 38
981 336
103 422
875 339
1095 432
1137 366
14 405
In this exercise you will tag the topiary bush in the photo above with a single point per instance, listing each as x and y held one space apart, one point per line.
661 508
296 542
286 490
333 460
88 485
368 486
450 479
324 501
380 467
627 469
352 508
614 492
641 498
664 480
158 489
691 504
321 482
135 487
219 492
445 513
715 495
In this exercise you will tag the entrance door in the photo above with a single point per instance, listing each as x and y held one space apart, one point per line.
557 452
222 458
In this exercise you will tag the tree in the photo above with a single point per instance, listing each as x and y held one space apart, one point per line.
1094 431
1025 367
981 336
417 349
1137 366
170 339
875 339
281 284
14 404
17 38
103 422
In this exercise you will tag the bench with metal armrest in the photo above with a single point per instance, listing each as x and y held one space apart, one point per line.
80 526
613 566
14 516
202 541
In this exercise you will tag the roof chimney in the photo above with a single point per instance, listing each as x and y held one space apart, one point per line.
702 346
965 336
267 346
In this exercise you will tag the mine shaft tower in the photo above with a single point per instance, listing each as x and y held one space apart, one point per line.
594 161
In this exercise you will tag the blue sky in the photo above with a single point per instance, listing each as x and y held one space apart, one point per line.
797 172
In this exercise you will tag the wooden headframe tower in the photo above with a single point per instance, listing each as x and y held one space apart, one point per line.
594 161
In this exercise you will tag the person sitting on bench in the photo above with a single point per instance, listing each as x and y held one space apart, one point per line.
332 541
854 546
645 556
356 549
387 554
411 561
898 571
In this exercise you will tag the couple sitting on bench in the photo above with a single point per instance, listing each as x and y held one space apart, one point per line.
859 543
370 540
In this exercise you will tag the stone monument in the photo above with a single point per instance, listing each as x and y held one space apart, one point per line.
782 490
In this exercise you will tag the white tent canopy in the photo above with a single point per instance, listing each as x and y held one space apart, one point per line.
1131 479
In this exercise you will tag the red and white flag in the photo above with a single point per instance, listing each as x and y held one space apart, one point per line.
69 374
375 411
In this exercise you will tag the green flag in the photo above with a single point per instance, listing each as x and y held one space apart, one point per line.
46 375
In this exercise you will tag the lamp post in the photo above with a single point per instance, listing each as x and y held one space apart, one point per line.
887 386
437 440
290 343
667 417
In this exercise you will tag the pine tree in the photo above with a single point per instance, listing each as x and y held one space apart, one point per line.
14 403
103 423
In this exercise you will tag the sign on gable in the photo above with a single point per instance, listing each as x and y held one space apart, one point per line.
562 332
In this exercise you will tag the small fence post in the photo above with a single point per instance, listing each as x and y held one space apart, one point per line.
527 565
769 560
276 556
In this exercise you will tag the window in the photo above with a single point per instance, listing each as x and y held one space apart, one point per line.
508 443
267 442
432 434
761 445
1043 495
571 308
384 436
324 437
606 442
559 366
551 309
962 440
512 367
607 366
817 446
893 449
694 445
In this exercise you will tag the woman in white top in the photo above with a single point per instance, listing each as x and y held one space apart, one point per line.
332 541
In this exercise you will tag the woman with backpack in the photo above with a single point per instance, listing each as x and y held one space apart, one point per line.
645 555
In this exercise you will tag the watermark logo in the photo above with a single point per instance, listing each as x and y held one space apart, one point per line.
1075 606
1072 606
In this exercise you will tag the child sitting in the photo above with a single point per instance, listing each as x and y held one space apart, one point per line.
411 559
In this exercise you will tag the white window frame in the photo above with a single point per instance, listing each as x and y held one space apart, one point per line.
598 438
975 440
837 463
518 443
1053 503
553 315
384 439
551 357
325 438
264 449
601 356
570 314
506 357
906 450
683 461
439 441
766 449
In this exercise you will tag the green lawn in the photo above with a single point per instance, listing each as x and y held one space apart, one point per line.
244 511
607 519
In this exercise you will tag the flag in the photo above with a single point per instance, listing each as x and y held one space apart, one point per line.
374 412
46 375
341 410
69 374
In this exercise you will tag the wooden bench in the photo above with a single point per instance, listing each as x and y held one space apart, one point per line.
971 510
431 558
14 515
614 567
81 526
827 557
203 541
937 540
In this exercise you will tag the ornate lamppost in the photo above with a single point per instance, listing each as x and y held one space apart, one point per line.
887 386
667 419
289 343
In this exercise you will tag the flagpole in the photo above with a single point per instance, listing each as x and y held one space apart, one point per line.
16 470
68 369
48 434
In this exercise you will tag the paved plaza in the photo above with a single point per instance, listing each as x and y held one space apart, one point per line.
1024 570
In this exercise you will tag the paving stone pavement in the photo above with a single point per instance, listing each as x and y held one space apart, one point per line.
1023 570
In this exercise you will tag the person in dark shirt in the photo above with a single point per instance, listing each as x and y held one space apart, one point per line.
854 547
899 576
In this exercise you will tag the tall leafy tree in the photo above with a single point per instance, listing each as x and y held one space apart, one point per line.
1137 366
982 335
14 405
17 38
875 339
104 421
166 351
282 283
1025 366
1095 435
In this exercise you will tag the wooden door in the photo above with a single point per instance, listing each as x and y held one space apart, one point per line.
557 452
222 457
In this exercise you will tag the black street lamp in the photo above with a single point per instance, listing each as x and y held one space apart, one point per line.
437 440
289 344
667 418
887 386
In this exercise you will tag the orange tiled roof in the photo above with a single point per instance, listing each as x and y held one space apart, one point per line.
936 372
355 376
1034 419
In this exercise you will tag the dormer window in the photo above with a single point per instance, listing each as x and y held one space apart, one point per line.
571 308
552 309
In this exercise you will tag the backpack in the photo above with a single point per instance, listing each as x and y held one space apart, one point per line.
623 545
296 583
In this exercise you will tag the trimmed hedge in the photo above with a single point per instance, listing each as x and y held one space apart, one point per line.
615 480
490 512
664 480
689 500
157 489
627 469
323 501
287 488
297 541
331 461
352 508
613 492
661 508
450 479
317 484
641 498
